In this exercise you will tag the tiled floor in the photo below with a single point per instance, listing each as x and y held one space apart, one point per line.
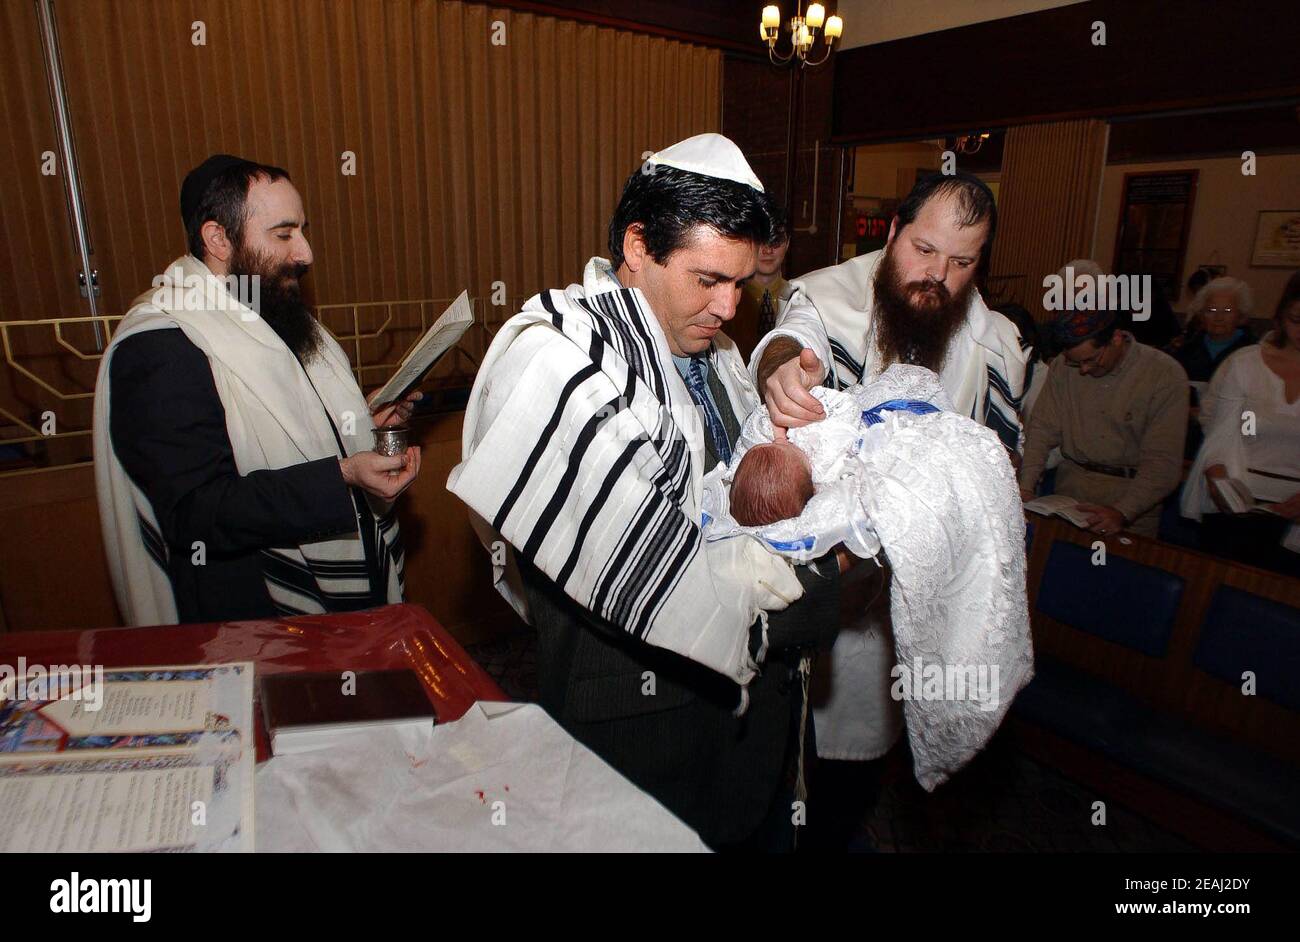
1003 801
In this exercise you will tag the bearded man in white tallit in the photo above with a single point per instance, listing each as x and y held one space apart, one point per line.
913 302
595 414
232 461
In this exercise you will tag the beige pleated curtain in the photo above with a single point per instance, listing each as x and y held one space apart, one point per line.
489 146
1049 191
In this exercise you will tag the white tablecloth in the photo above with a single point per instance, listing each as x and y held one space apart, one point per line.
504 777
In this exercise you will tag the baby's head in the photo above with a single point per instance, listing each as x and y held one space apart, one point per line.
772 482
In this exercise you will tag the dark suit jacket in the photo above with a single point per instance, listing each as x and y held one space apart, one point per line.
666 722
168 429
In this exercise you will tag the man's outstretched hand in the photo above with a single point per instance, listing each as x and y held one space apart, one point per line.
786 374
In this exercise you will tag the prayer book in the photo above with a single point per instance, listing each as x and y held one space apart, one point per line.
437 340
310 711
1058 505
137 759
1237 496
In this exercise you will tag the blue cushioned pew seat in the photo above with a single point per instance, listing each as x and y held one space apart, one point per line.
1121 601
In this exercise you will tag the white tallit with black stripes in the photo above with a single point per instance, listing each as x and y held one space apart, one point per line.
275 418
831 311
584 452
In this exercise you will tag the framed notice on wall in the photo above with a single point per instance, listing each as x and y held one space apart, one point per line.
1277 239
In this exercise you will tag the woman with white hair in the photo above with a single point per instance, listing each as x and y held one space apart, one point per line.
1221 308
1251 455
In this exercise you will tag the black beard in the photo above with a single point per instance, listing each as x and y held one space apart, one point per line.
912 332
279 301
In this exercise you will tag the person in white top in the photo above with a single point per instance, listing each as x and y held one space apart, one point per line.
1251 417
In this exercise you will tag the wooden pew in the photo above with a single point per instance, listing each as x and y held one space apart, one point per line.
1172 684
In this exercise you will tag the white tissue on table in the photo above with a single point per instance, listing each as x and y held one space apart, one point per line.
504 777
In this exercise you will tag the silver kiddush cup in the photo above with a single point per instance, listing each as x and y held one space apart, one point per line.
392 441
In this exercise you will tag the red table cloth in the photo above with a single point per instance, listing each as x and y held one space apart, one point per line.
387 638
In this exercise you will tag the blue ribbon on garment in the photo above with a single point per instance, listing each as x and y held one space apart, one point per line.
915 406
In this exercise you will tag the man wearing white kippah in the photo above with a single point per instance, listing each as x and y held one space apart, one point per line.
594 416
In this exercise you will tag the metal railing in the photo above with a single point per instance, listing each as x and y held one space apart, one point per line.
457 368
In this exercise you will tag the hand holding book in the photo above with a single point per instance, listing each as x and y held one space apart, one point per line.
441 337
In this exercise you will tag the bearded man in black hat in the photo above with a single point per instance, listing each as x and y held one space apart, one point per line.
233 459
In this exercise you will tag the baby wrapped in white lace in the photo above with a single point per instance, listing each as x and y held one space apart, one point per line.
894 468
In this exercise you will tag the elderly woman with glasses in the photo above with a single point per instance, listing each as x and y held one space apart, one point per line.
1221 309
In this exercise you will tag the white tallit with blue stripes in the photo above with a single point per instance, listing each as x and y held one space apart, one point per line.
831 311
584 452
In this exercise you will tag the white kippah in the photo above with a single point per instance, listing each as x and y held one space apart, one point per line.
711 155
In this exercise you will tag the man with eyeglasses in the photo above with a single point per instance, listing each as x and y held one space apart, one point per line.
1118 410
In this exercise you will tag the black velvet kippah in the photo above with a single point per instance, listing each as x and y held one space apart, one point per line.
200 178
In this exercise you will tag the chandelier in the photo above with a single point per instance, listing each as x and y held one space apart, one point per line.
970 143
804 27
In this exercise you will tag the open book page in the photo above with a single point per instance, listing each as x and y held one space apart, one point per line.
1240 498
437 340
126 759
1235 495
1061 506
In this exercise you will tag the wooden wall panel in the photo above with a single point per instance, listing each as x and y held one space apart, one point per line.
53 573
55 576
447 570
38 262
476 163
1044 66
1050 186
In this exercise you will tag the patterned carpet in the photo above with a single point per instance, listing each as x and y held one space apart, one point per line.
1003 801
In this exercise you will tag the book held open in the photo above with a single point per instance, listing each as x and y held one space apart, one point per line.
1237 496
1059 505
437 340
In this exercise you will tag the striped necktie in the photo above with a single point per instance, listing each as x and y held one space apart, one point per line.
698 387
766 315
